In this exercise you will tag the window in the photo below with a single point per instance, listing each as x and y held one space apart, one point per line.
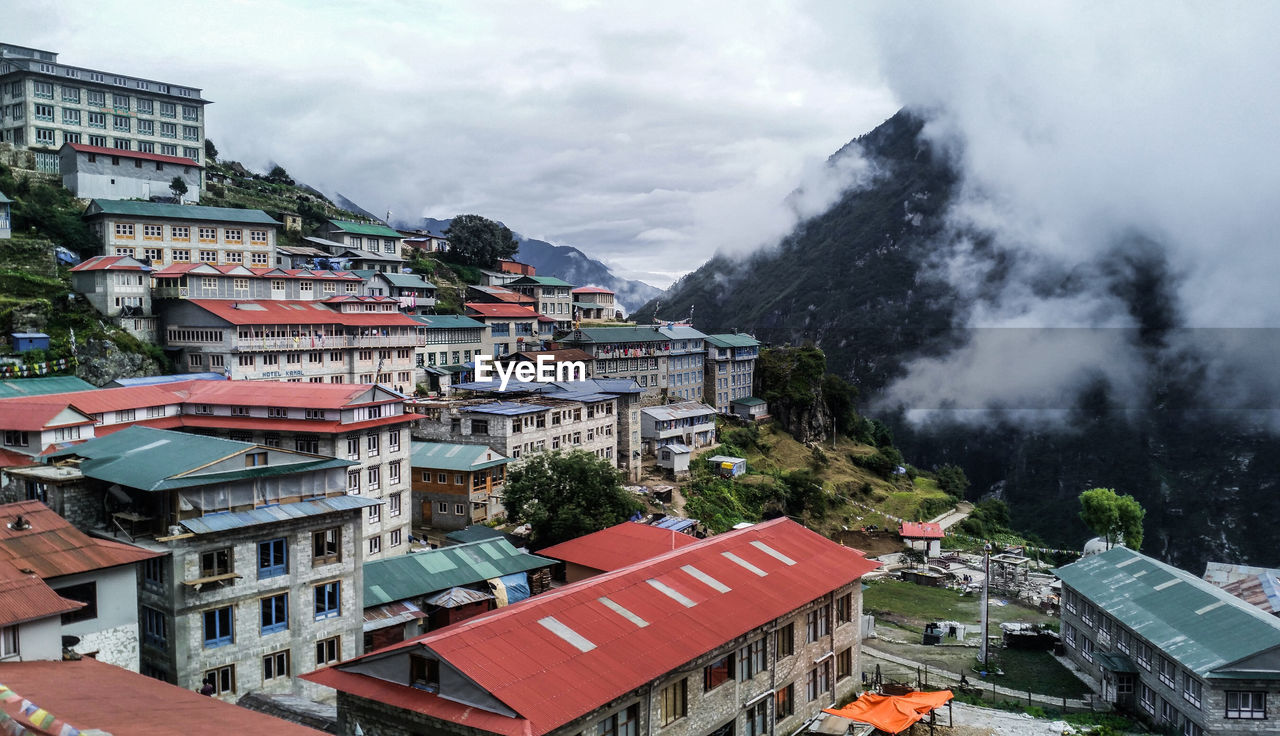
217 627
1147 698
1144 656
1166 670
673 702
1123 639
844 608
326 546
459 509
328 599
86 593
1086 648
811 685
231 235
146 107
96 99
275 613
817 623
120 123
784 703
844 663
459 479
223 679
97 120
308 446
328 650
1168 714
1250 704
258 237
71 94
375 513
442 507
395 538
154 628
153 573
216 562
120 102
190 133
371 444
9 642
1191 728
44 112
168 130
275 665
752 660
375 545
623 723
1191 689
255 459
353 448
272 558
784 642
393 441
181 255
124 230
68 137
168 149
14 438
717 673
393 502
147 127
424 672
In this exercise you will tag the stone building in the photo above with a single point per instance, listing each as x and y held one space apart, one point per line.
455 486
162 234
688 423
1169 647
551 295
754 631
594 304
47 104
665 360
510 327
260 570
119 287
730 369
449 342
371 238
97 172
239 282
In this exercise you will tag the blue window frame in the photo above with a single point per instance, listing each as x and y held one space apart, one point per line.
154 628
328 599
273 558
275 613
218 630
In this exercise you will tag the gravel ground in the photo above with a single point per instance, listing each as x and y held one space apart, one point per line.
971 720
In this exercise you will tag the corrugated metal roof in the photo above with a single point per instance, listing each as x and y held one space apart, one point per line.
507 408
25 597
922 530
365 228
280 312
391 614
225 521
726 340
51 547
539 281
618 546
638 333
455 597
550 681
747 401
683 410
178 211
448 456
1173 609
420 573
675 523
449 321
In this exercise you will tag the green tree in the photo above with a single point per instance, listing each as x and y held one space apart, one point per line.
479 241
178 187
563 496
278 175
210 150
952 480
1113 517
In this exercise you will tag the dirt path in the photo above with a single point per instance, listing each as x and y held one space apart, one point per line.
954 516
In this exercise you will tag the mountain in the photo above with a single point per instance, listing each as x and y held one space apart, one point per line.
568 263
858 282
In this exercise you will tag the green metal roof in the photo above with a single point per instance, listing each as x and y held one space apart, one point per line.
365 228
43 386
748 401
1195 623
449 321
408 281
158 459
474 533
540 281
646 333
419 573
178 211
732 341
4 199
592 305
448 456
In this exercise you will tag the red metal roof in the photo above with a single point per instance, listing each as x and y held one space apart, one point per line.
263 423
82 148
177 270
501 310
551 682
25 597
272 312
275 393
618 546
34 413
89 694
108 263
922 530
11 459
51 547
590 290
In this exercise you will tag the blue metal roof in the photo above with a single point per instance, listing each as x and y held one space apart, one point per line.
675 523
585 397
507 408
175 378
227 521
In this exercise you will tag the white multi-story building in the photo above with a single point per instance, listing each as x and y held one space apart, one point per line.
45 104
163 234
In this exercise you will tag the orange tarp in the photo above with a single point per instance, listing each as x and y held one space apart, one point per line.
892 713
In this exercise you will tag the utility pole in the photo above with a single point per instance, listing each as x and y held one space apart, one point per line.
986 582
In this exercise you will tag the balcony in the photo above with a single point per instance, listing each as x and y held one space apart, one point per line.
326 342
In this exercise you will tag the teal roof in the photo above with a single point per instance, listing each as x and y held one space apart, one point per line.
408 281
732 341
748 401
365 228
4 199
178 211
474 533
221 522
449 321
1195 623
43 386
420 573
447 456
157 459
645 333
539 280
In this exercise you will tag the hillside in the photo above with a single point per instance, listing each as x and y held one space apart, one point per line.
854 281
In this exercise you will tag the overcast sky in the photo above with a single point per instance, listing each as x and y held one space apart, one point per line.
648 134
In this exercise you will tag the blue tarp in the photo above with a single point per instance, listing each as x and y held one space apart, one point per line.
517 585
